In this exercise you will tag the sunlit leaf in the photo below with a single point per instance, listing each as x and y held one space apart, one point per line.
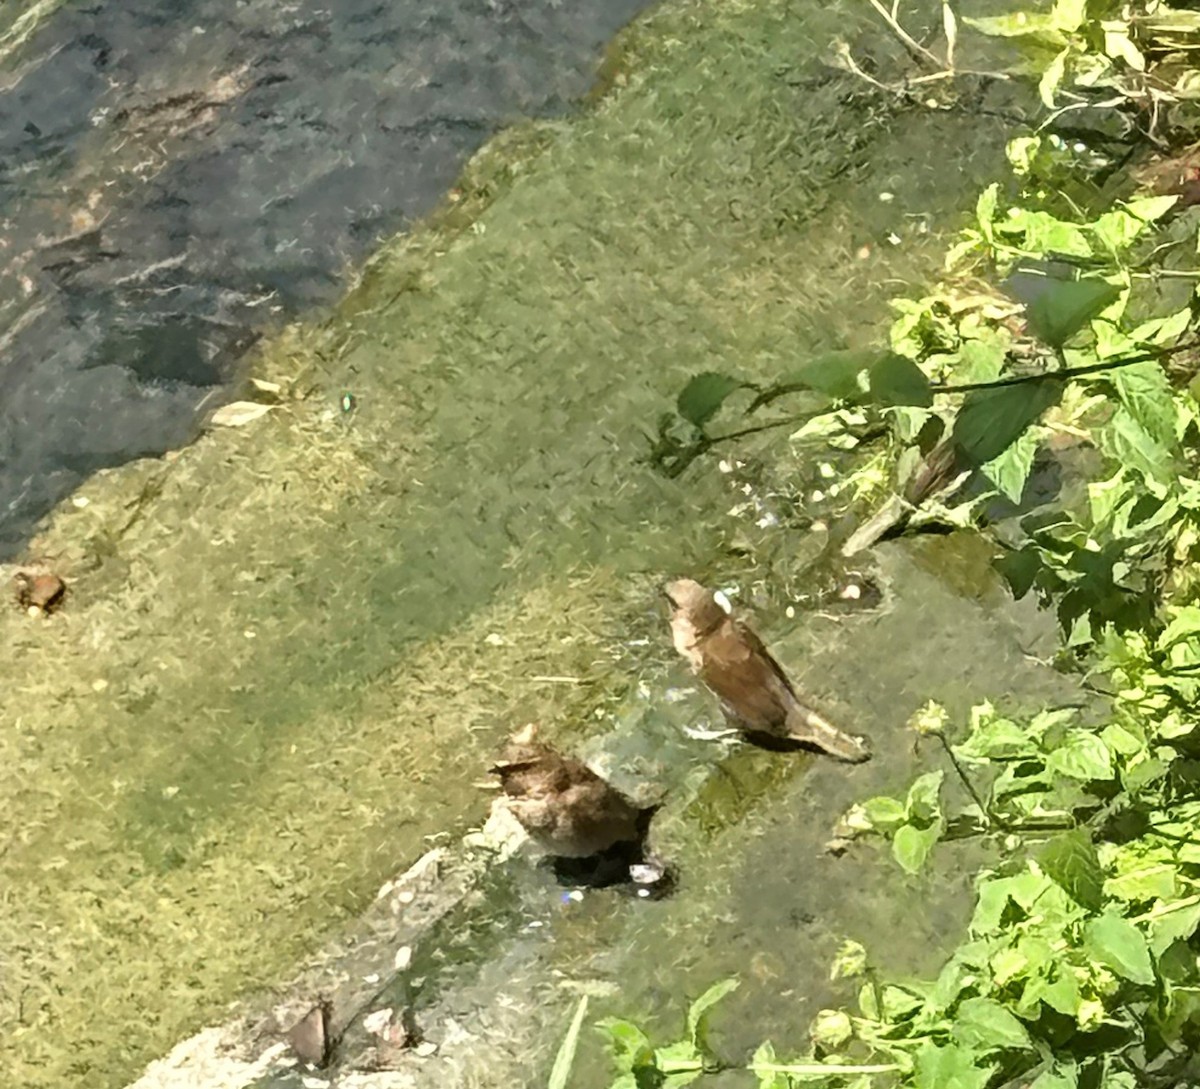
1172 922
1082 755
897 380
703 396
850 961
1052 77
1118 45
991 420
1125 441
1066 306
923 803
1146 393
1071 860
697 1018
1069 15
984 1025
1118 944
1020 24
1151 208
1059 1076
985 211
763 1057
949 1067
630 1045
911 845
1010 471
834 374
886 814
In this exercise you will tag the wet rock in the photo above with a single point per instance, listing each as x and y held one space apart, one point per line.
310 1037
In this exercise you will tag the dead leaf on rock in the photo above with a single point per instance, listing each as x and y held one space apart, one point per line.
238 413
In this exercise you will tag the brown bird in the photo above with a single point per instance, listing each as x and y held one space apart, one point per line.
754 691
566 808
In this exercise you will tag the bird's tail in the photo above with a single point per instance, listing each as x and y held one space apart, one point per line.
804 724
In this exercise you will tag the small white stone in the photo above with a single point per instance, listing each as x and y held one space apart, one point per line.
576 895
406 897
80 501
425 1049
403 958
372 978
790 612
377 1023
887 198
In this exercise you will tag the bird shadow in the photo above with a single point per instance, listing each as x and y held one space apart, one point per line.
616 867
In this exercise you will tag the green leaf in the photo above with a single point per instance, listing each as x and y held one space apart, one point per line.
697 1018
949 1067
630 1046
1019 24
912 845
1117 230
831 1029
922 804
560 1073
1060 1076
1151 208
1069 15
850 961
1147 395
765 1057
997 739
834 374
1171 922
991 420
1184 625
1066 306
1118 944
885 814
1052 77
1082 755
1071 860
1125 441
700 399
897 380
1010 471
984 1025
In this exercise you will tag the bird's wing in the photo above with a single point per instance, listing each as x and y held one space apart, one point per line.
750 684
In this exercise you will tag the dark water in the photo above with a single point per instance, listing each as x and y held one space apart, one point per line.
177 177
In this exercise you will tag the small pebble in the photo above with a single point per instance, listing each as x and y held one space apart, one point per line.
424 1050
403 958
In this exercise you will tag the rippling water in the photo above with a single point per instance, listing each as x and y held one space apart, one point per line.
174 178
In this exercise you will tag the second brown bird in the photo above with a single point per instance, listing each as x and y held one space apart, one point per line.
754 691
566 808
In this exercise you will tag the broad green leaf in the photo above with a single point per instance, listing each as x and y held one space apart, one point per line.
1066 306
1117 45
1117 230
922 803
1061 993
1069 15
1117 944
1151 208
1184 624
1171 922
991 420
560 1073
997 739
982 1024
949 1067
1125 441
1020 24
1155 881
1082 755
1121 740
835 374
1071 860
697 1018
1010 471
1059 1076
679 1063
981 359
703 396
1147 395
630 1045
885 814
897 380
912 845
1045 234
767 1079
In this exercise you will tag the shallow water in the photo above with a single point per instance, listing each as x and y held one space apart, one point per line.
175 180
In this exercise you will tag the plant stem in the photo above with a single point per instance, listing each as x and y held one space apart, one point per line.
984 809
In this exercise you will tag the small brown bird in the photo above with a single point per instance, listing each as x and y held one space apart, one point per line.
754 691
566 808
